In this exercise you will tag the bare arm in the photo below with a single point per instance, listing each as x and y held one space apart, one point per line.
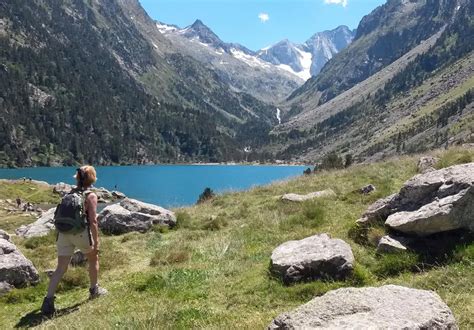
91 207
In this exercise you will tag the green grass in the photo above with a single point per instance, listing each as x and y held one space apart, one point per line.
28 192
212 271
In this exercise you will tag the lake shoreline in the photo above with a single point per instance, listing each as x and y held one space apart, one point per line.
166 185
169 164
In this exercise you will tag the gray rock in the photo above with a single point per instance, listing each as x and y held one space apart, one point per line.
314 257
429 203
4 235
118 195
132 215
392 244
378 211
301 198
386 307
5 288
449 213
78 259
62 188
103 195
49 272
426 164
40 227
367 189
15 269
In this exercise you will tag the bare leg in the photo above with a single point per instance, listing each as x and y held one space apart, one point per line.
63 263
93 259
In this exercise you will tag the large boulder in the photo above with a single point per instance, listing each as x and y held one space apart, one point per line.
386 307
103 195
314 257
133 215
301 198
40 227
15 269
429 203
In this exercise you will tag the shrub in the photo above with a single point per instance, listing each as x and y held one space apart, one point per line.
206 195
348 160
332 161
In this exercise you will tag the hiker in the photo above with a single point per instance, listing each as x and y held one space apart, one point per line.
72 233
18 202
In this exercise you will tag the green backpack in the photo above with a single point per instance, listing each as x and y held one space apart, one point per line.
70 216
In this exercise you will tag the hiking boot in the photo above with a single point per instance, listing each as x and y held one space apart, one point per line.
47 309
96 292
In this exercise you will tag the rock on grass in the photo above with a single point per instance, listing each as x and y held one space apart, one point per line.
314 257
386 307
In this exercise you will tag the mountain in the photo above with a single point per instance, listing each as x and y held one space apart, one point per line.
404 85
382 37
306 60
95 81
235 64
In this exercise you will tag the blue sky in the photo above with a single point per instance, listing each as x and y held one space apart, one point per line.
259 23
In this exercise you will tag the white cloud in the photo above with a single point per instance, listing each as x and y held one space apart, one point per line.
337 2
263 17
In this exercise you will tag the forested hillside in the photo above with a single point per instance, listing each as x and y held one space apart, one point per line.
81 83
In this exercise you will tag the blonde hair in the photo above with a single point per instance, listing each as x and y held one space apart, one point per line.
86 176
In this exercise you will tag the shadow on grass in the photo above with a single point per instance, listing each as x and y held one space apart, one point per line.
35 317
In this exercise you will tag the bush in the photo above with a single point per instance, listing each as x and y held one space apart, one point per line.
332 161
206 195
348 161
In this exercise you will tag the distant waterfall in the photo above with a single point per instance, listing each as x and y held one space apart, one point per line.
278 116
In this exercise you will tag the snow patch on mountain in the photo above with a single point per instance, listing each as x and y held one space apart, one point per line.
306 59
164 28
249 59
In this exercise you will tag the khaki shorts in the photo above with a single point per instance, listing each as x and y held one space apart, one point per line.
66 243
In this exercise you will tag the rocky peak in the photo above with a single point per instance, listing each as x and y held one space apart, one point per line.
201 31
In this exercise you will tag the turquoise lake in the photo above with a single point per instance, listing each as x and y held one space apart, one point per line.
166 185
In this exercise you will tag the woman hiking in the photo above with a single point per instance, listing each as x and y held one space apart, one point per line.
86 238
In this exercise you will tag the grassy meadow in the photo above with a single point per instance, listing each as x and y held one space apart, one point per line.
212 271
